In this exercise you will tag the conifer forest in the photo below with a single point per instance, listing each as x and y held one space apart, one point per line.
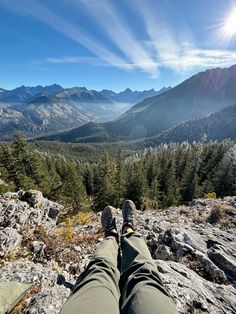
153 178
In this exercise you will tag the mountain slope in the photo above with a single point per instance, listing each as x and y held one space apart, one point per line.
91 101
57 115
217 126
13 121
203 93
42 115
196 97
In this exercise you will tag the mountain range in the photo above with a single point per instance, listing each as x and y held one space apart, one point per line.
133 97
196 97
25 93
40 110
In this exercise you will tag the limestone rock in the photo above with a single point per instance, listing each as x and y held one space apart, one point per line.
194 294
162 252
38 248
10 240
224 262
16 210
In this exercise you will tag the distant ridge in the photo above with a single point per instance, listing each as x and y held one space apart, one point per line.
133 97
196 97
82 94
24 93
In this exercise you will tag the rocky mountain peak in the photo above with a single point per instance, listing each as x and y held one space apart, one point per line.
128 90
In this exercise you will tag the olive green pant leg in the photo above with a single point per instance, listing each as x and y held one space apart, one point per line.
142 291
97 289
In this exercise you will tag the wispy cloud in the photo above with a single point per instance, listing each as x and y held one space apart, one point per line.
173 50
121 34
163 39
162 47
196 58
73 59
35 9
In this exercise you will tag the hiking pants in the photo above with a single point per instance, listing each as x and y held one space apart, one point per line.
135 289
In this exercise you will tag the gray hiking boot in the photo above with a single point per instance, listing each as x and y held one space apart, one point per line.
108 223
128 212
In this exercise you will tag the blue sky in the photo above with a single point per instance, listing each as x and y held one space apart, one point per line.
113 44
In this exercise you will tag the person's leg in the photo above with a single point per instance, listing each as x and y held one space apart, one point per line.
97 288
142 291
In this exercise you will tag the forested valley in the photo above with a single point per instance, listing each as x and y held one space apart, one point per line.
153 178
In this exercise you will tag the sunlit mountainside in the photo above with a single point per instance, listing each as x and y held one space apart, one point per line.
198 96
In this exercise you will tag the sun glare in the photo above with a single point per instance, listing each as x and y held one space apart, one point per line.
230 24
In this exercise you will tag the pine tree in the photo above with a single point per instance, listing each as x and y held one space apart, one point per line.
89 179
189 183
106 182
8 161
73 190
137 186
225 177
120 179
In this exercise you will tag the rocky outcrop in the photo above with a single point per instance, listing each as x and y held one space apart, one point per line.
18 210
196 259
28 208
193 294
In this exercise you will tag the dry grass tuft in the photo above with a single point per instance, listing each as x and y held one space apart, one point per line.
229 210
82 218
173 220
149 204
215 216
184 210
198 219
66 234
197 266
60 244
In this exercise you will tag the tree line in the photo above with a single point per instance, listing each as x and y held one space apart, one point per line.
153 178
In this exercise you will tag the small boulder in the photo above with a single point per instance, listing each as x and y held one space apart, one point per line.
162 253
38 248
32 197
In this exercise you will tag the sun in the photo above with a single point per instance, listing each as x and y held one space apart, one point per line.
230 24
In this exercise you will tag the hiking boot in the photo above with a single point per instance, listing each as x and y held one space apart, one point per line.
108 223
128 212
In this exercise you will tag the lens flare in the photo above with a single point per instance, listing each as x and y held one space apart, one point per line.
230 24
